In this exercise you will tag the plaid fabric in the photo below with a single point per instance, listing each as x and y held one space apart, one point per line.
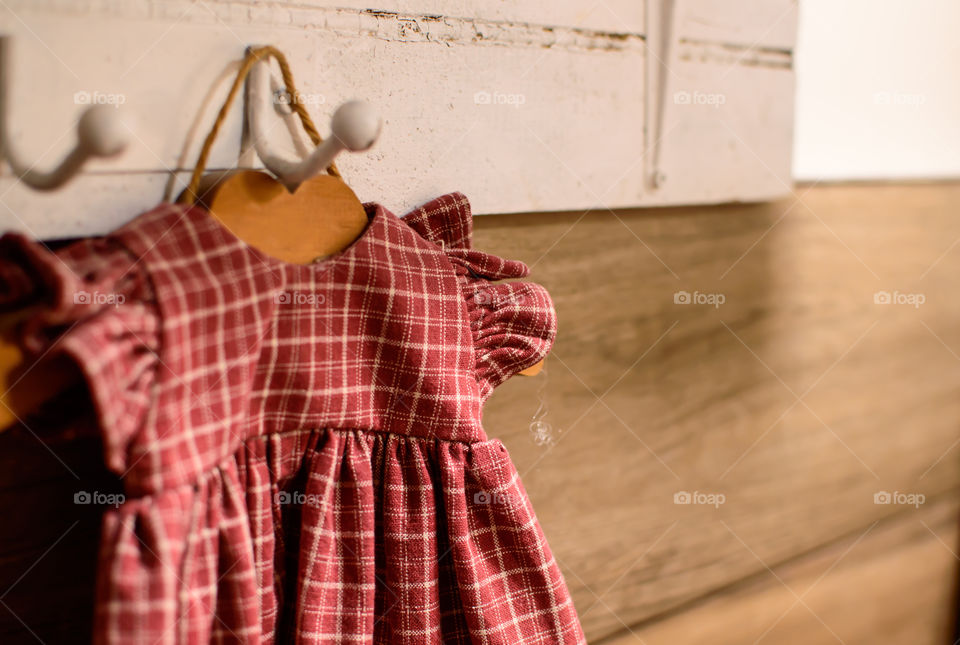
301 445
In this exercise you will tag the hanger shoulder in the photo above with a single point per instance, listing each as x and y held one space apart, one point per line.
533 370
23 388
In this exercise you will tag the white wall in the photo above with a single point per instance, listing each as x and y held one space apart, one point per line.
878 89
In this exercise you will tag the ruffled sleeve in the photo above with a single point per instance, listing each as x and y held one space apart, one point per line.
514 323
92 303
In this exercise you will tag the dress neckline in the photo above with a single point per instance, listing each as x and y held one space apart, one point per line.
376 215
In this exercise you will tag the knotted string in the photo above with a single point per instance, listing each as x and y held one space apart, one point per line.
189 196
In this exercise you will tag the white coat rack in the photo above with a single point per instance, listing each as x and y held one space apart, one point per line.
355 126
99 134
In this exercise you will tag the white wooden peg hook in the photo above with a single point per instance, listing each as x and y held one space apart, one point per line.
99 134
355 127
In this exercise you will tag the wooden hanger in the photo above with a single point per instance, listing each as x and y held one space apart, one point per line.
533 370
323 217
296 214
24 387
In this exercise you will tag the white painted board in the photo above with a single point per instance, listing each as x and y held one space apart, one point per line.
531 106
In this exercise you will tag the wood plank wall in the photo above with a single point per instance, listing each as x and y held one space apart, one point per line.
798 399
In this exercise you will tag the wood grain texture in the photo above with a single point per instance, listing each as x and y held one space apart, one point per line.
841 594
798 399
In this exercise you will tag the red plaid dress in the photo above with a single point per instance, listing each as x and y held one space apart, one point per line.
301 445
